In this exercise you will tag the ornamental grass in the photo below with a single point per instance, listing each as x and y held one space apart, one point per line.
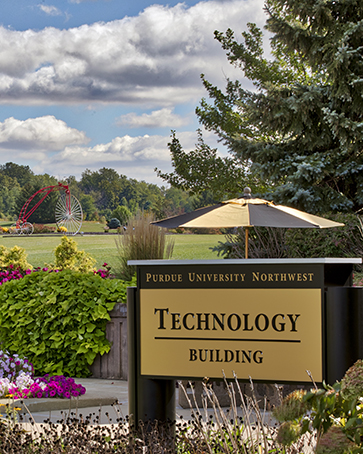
141 241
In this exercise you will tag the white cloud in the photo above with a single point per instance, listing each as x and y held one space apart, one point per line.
135 157
153 59
163 118
50 10
42 134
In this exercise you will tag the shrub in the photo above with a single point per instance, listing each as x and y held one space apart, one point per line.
264 242
41 228
68 257
268 242
114 224
141 241
58 320
15 258
344 241
335 413
122 213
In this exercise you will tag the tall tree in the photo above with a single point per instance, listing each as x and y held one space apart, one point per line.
45 213
23 174
203 170
301 129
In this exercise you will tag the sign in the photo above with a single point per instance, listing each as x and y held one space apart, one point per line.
259 321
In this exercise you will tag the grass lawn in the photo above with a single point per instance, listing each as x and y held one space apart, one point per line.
103 247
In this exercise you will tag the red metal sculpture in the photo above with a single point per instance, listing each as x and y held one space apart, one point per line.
68 211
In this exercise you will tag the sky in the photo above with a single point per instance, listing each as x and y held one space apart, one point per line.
86 84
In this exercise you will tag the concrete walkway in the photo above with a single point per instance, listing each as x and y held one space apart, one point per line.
105 400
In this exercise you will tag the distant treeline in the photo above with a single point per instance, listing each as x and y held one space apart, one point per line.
101 194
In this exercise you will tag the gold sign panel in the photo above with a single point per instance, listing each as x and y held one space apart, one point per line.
266 334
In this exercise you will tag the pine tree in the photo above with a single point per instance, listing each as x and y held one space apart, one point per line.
301 130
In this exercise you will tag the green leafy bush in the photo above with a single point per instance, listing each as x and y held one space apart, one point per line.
16 257
122 213
68 257
58 320
335 413
114 224
344 241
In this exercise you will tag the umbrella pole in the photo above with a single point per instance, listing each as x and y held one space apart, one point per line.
246 242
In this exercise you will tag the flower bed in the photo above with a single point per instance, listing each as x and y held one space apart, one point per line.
12 273
17 381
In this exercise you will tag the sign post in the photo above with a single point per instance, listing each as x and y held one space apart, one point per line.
271 320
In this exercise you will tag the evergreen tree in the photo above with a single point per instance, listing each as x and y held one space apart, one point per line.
301 130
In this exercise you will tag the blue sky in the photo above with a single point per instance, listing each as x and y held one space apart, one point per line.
86 84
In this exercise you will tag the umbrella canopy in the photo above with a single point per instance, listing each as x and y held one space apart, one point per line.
247 212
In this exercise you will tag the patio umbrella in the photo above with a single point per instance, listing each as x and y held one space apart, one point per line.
247 212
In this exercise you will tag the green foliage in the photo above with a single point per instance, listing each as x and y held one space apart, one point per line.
264 242
15 257
203 170
344 241
100 193
114 224
67 256
45 212
141 241
300 130
293 407
335 412
122 213
58 320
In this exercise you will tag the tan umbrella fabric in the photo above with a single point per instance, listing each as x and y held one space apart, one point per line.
247 212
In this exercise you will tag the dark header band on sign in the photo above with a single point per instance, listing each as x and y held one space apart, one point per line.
231 276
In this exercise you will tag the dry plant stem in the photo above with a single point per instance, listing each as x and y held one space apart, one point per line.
245 409
258 415
197 420
31 416
218 411
194 414
312 379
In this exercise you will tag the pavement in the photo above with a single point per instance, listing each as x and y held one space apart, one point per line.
105 401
